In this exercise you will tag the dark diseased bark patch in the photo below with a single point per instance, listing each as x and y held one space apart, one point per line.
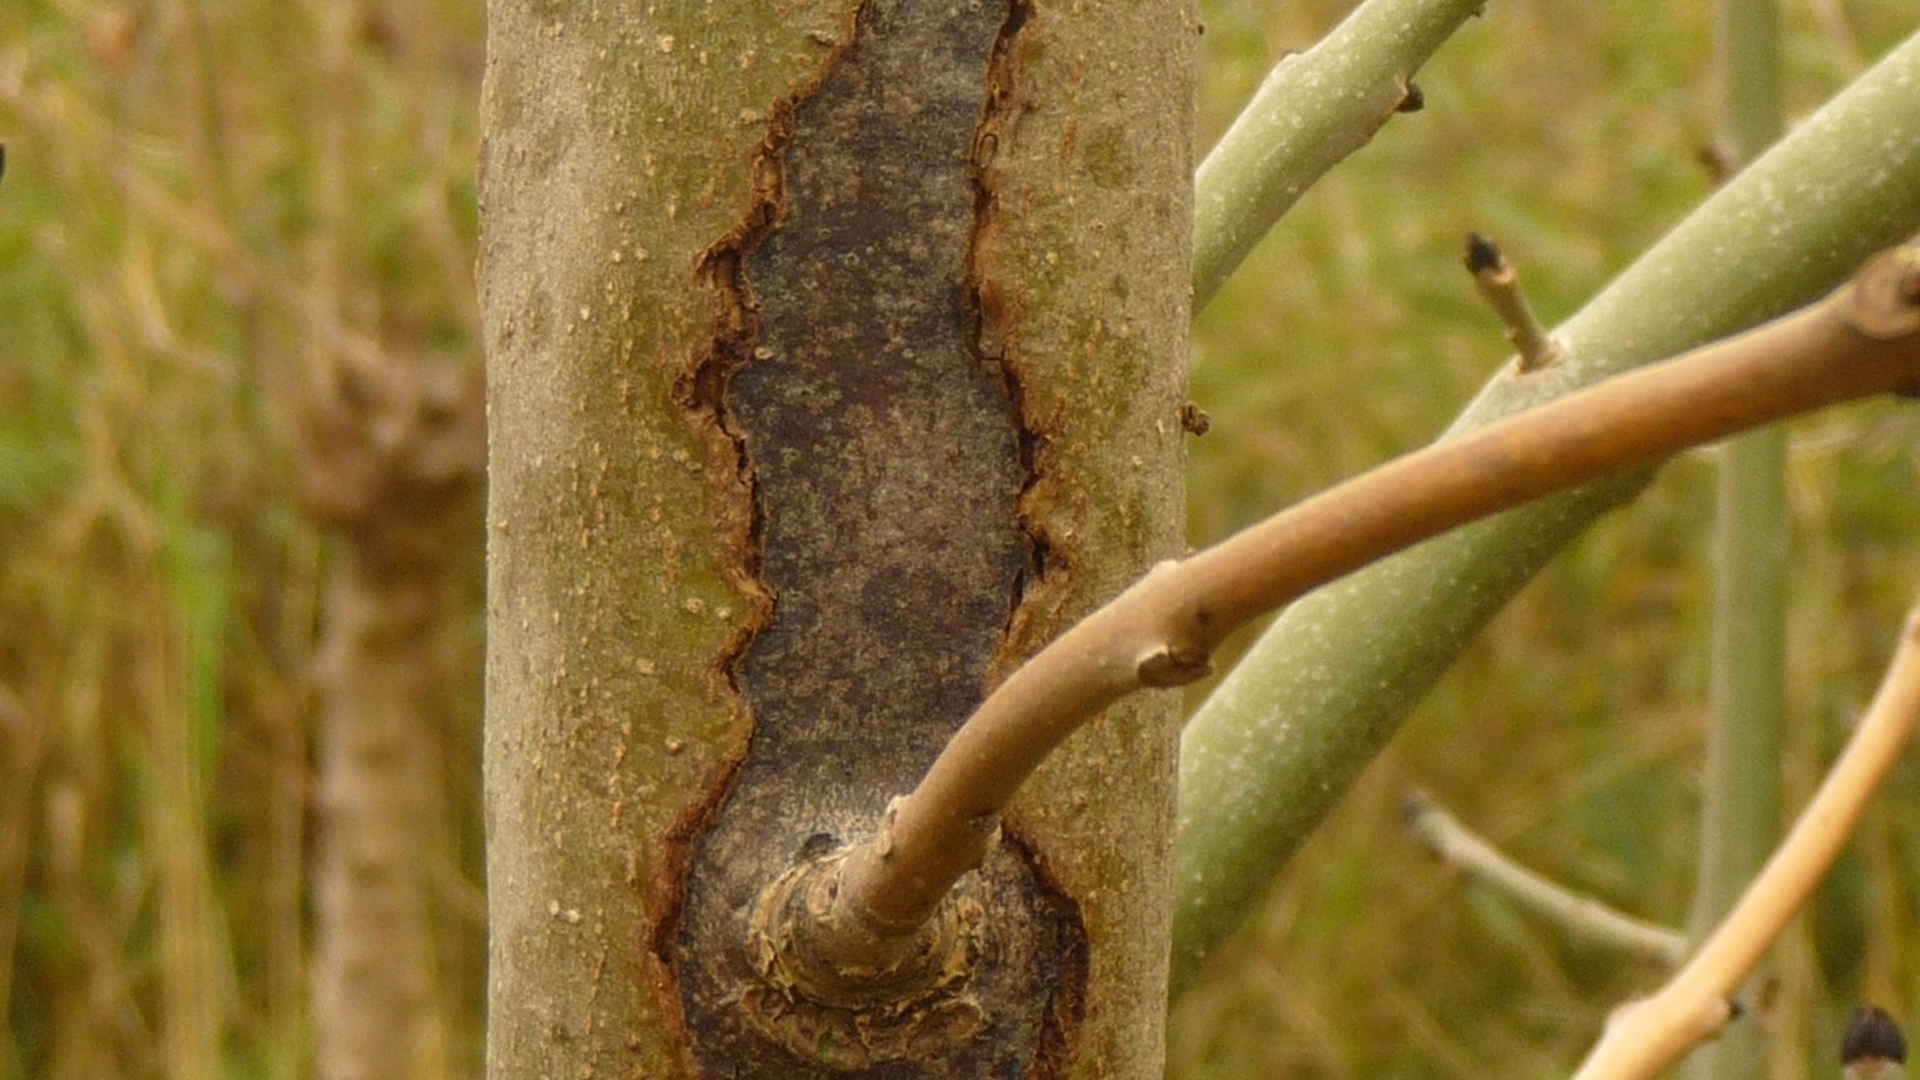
862 375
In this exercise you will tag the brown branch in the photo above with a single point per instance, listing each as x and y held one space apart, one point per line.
1646 1035
1161 631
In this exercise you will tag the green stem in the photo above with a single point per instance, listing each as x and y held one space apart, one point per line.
1741 791
1330 682
1313 110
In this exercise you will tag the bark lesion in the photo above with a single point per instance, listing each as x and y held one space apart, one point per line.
857 369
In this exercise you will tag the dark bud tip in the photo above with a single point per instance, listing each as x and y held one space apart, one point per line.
1872 1035
1483 255
1413 100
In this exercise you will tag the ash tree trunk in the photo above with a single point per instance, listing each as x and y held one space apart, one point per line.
836 361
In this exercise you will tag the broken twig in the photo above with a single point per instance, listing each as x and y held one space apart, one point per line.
1499 283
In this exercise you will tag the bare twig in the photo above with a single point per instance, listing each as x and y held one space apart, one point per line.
1162 630
1583 916
1646 1035
1499 283
1863 339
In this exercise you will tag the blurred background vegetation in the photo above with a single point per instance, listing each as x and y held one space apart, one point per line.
201 198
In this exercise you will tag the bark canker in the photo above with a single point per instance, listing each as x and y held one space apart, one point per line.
861 372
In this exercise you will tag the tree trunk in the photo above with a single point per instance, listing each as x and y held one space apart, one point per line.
391 463
373 964
836 363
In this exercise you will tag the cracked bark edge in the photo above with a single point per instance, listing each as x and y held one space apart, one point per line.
1045 590
1066 1007
700 389
1000 112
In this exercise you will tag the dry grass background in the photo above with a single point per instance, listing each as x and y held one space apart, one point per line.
172 251
170 259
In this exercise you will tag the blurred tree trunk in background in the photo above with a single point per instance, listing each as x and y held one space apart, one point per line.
393 458
373 1001
826 380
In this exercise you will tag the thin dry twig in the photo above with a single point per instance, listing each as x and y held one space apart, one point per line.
1583 916
1646 1035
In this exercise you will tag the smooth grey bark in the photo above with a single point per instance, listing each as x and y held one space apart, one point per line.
724 299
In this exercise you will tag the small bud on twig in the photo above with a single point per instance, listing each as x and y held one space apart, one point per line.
1500 284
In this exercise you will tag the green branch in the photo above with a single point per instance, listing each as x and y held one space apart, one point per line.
1313 110
1330 682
